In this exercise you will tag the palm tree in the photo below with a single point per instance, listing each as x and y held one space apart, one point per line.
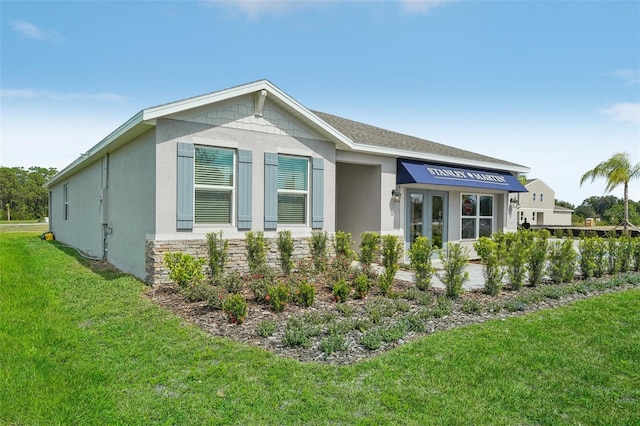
616 170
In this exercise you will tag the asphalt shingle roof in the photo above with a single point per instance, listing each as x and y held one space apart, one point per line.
370 135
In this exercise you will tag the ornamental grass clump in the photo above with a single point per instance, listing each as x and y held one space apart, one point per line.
420 254
454 260
490 253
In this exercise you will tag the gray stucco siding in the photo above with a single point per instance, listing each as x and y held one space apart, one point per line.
169 132
131 203
82 229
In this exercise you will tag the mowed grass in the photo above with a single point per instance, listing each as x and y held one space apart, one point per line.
85 347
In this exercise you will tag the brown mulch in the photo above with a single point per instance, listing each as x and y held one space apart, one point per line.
216 323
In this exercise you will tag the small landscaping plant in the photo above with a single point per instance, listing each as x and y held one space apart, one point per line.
318 248
588 248
266 328
304 293
218 254
277 296
454 260
420 254
236 308
341 290
562 261
391 251
362 285
183 268
490 253
537 255
256 251
514 250
369 247
285 247
342 243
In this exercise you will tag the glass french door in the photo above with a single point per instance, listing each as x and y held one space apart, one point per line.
427 216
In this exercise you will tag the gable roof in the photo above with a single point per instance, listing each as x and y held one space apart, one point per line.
346 134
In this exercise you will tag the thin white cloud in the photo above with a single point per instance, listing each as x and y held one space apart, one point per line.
253 9
422 7
54 96
624 111
631 77
32 31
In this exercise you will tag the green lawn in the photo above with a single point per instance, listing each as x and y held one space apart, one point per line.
84 347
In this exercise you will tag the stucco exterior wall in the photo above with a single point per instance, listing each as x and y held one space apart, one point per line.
83 228
130 203
260 140
538 188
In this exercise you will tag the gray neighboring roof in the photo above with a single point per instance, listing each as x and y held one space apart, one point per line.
371 135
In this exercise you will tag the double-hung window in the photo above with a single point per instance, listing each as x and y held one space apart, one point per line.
293 189
477 216
214 185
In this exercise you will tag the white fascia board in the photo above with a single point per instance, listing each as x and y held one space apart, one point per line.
154 113
438 158
86 158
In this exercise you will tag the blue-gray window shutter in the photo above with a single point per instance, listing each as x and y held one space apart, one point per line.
184 188
317 193
245 160
270 190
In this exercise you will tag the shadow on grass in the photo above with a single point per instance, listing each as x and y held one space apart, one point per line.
100 267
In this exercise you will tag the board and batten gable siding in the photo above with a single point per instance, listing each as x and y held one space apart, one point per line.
251 147
131 203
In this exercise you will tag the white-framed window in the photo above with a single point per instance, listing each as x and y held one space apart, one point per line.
476 216
534 196
521 216
293 190
533 216
541 195
214 174
65 200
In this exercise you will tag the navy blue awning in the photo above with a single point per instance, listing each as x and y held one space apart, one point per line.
411 171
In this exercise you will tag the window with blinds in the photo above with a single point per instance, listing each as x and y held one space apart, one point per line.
293 189
214 185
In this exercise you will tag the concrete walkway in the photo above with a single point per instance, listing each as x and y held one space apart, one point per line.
476 279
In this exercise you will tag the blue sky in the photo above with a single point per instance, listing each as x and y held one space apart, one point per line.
553 85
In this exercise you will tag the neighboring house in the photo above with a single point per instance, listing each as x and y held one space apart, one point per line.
252 158
538 206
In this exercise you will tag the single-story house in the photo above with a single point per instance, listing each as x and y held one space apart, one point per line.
537 206
253 158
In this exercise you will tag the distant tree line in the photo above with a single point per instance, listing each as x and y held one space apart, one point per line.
22 194
608 208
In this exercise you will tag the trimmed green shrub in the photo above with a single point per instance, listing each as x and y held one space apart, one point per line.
218 254
342 243
236 308
183 268
278 296
454 260
256 251
304 293
588 249
636 254
490 254
626 254
537 255
362 285
318 248
369 247
562 261
341 290
514 250
285 247
392 249
420 254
